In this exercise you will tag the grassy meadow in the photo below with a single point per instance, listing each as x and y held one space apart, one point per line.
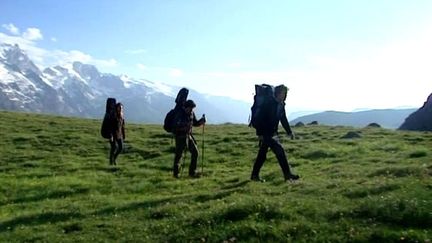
56 185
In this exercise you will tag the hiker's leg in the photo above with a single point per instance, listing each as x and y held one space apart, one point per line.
119 149
259 161
112 151
180 144
194 156
279 151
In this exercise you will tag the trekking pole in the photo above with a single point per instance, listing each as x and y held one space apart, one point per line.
202 153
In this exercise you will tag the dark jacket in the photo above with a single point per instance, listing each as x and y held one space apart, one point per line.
184 122
118 131
274 113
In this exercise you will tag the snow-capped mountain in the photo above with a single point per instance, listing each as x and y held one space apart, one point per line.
79 89
23 86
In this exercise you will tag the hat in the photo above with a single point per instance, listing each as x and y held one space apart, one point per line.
281 88
189 103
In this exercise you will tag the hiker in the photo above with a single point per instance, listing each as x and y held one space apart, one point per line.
267 131
117 133
184 121
169 121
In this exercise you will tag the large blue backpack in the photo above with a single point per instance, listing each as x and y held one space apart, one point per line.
263 100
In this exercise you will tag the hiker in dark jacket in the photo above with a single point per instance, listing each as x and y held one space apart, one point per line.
184 121
268 133
117 134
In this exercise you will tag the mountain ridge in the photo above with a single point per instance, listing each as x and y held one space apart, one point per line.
79 89
387 118
421 119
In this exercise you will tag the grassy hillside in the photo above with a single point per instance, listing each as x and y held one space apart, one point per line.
56 186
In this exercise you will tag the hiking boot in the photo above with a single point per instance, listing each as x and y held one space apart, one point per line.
291 177
195 175
257 178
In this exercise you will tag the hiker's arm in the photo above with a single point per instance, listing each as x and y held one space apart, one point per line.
123 130
196 122
285 124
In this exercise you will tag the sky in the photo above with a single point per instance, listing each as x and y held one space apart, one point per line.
333 54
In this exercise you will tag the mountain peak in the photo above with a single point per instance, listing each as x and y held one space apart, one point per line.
428 101
421 119
15 57
86 71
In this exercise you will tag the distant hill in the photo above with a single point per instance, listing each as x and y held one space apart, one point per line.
387 118
420 120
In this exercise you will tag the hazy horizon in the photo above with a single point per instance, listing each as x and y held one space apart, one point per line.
333 55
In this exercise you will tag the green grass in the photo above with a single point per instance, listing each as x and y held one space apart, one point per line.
56 186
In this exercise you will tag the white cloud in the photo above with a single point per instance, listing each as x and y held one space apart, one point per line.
46 58
32 34
75 55
16 40
11 28
53 39
105 63
59 57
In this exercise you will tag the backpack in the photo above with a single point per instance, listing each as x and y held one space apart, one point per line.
181 96
263 99
169 121
106 127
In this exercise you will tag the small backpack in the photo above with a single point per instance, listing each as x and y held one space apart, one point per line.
169 121
106 127
263 99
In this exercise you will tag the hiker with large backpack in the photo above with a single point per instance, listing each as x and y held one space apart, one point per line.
108 120
118 134
112 128
179 121
267 111
169 122
185 119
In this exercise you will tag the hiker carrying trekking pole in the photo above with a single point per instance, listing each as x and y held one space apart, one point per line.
183 122
202 148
